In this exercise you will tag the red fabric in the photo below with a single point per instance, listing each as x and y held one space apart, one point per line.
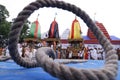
72 33
52 28
36 29
86 53
73 25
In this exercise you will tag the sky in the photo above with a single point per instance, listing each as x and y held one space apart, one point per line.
107 12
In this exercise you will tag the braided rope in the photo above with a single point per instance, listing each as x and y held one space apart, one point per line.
108 72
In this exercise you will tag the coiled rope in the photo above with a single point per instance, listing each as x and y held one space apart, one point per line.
63 72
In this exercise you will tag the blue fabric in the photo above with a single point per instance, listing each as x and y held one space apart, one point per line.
11 71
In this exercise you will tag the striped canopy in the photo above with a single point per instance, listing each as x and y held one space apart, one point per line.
75 32
35 30
53 30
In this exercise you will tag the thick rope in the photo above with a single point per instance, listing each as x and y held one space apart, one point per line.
108 72
67 61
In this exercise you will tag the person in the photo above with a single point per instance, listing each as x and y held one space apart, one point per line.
67 53
70 55
20 47
32 52
100 51
7 51
54 45
118 53
58 54
23 52
86 53
28 52
80 54
93 54
43 44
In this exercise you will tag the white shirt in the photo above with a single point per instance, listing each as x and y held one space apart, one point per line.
94 54
70 54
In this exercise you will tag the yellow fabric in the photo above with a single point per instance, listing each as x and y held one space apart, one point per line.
77 31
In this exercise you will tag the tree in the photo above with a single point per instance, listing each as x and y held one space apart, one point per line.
3 13
4 25
4 28
24 30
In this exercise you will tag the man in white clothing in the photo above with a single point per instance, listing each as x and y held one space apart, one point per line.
94 54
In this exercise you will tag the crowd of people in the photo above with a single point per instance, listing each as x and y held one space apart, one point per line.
87 53
28 50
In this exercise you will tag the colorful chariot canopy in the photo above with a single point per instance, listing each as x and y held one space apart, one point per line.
53 30
35 30
75 32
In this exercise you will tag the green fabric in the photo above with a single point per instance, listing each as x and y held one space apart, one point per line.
32 29
39 31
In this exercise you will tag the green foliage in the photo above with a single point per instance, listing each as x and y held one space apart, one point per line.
24 31
4 24
3 13
4 28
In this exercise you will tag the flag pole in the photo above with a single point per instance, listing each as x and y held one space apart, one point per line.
55 16
75 17
38 16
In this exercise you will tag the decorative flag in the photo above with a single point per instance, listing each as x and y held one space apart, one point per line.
54 30
35 30
75 32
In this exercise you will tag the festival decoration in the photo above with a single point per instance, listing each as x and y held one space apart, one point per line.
54 29
75 32
63 72
35 30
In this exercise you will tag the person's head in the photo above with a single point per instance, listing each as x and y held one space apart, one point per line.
44 43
